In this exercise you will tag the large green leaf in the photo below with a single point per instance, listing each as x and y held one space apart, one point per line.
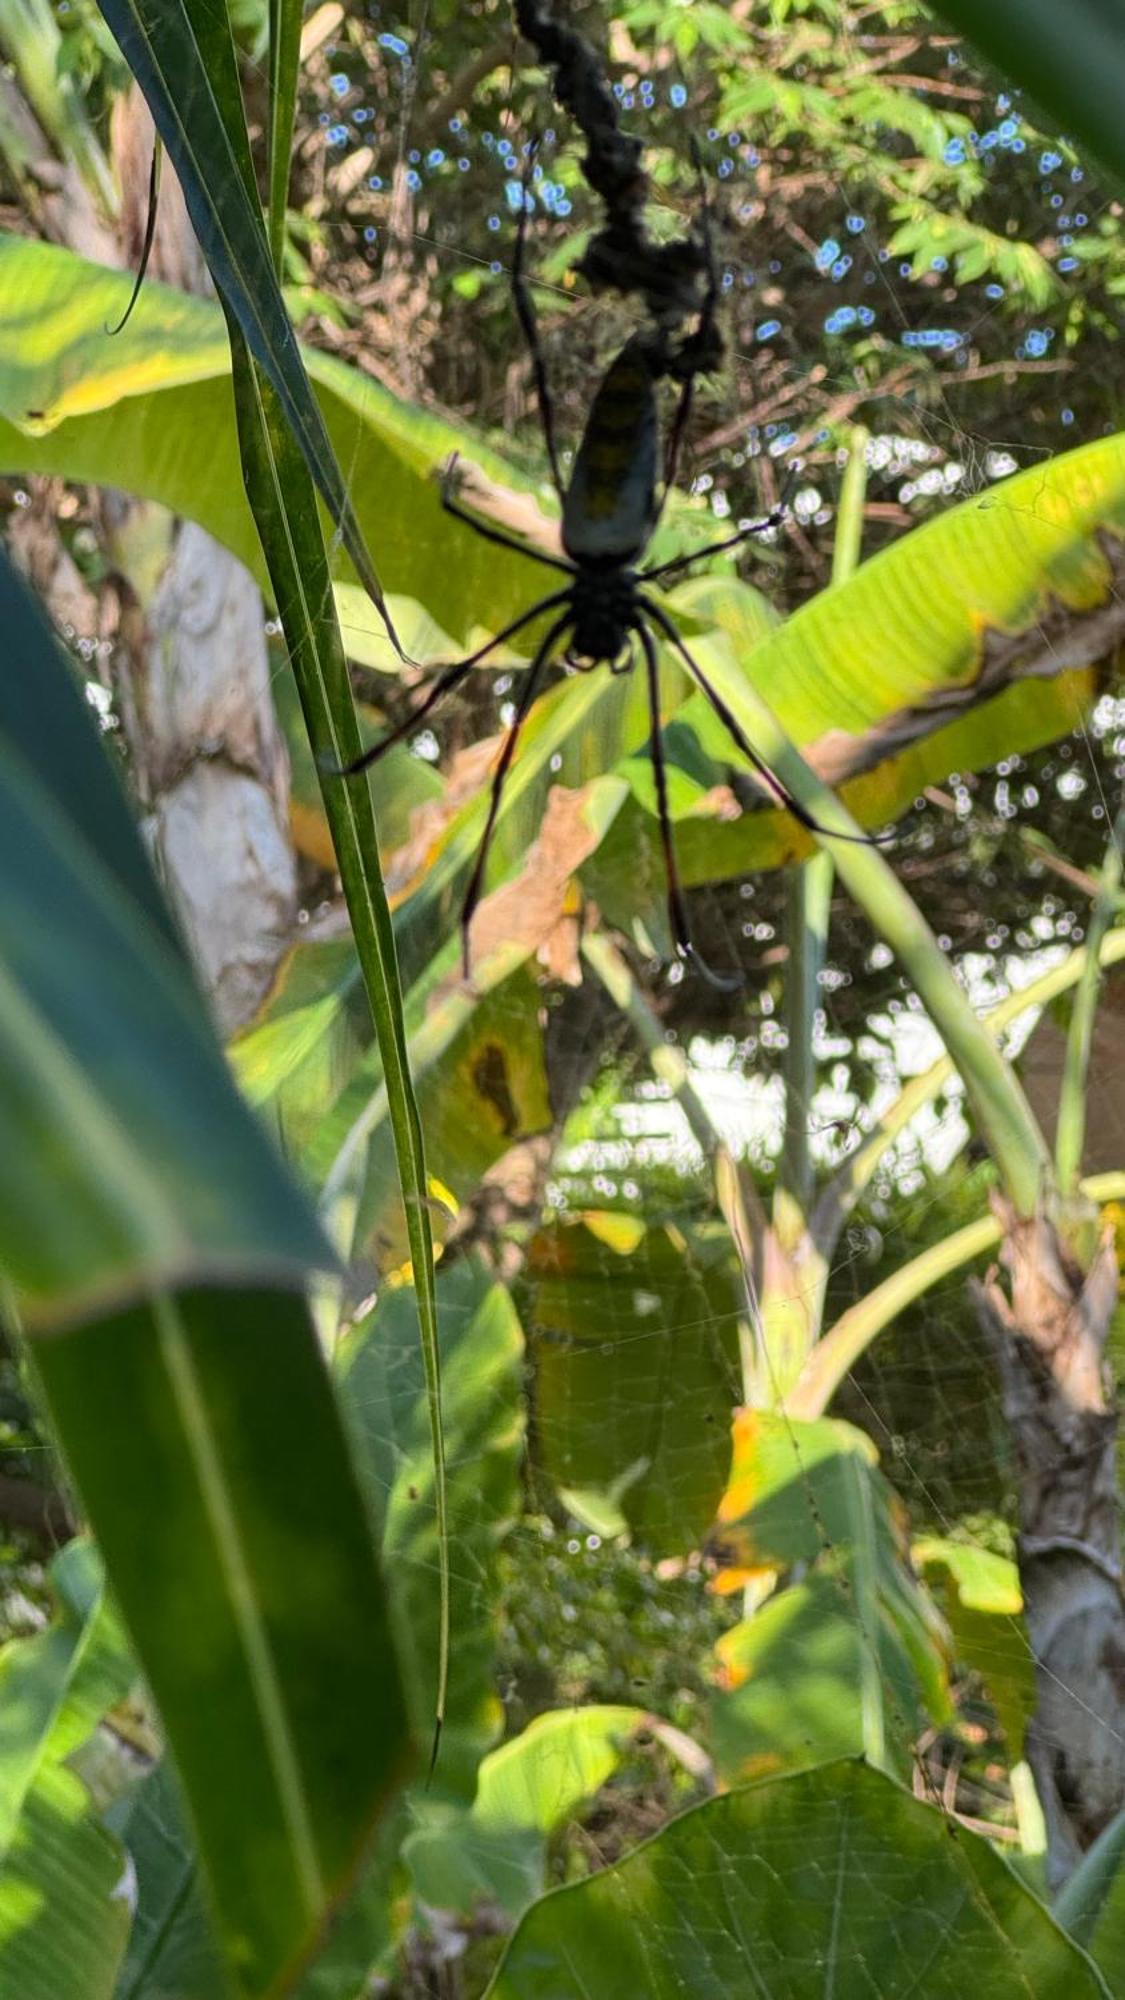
974 637
155 1248
496 1851
833 1882
151 411
633 1336
1071 59
482 1349
63 1921
854 1656
102 1036
252 1594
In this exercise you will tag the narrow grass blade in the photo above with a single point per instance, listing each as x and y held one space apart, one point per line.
285 508
285 55
1070 1135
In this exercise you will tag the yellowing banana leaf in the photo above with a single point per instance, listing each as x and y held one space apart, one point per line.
983 633
812 1494
151 410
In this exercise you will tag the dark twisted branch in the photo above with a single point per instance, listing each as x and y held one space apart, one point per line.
672 278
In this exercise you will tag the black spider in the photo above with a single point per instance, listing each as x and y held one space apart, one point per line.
610 510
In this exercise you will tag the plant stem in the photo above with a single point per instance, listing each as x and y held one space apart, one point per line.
841 1194
856 1328
1070 1135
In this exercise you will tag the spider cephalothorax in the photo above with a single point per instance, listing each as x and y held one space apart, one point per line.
601 612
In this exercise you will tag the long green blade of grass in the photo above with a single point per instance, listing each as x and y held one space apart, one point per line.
285 56
281 493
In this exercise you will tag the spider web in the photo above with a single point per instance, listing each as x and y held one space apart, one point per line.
600 1588
628 1169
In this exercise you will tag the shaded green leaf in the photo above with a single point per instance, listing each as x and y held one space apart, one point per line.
811 1884
634 1338
173 1953
497 1851
216 1407
980 1595
482 1349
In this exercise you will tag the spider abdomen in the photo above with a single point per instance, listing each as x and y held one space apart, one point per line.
609 508
604 612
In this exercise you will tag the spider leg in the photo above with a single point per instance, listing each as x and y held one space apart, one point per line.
677 563
497 535
676 434
773 519
677 912
738 735
702 338
449 678
525 313
527 696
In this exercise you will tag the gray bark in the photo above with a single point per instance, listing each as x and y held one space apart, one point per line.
190 669
1048 1329
193 686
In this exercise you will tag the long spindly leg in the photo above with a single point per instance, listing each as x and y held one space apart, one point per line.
527 695
678 563
497 535
738 735
773 519
449 678
525 313
677 912
677 431
701 340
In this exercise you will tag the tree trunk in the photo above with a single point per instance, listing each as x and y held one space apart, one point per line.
1048 1330
193 680
208 761
190 665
